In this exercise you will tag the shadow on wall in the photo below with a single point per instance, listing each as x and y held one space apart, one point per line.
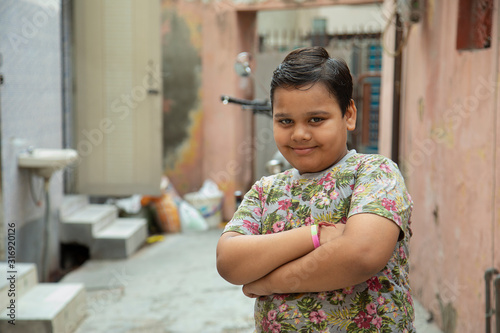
181 82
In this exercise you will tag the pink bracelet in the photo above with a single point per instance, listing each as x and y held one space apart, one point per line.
314 235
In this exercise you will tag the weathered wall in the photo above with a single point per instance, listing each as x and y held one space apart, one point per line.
449 148
31 113
204 138
182 110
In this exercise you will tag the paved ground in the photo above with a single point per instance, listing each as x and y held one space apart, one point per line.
170 287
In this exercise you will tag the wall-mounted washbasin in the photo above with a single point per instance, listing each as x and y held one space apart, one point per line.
44 162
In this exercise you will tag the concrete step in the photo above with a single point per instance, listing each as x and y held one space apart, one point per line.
82 225
47 308
25 278
120 239
72 203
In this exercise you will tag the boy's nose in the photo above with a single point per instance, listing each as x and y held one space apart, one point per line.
300 133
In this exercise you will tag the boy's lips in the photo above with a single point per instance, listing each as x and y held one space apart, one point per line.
302 150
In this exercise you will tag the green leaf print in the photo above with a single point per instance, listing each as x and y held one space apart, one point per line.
341 317
343 179
310 191
386 284
308 304
303 212
274 196
362 300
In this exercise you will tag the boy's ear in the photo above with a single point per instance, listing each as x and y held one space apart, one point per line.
350 116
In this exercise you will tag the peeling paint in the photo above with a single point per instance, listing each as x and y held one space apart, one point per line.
181 85
187 162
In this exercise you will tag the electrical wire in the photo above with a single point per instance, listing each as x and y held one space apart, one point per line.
404 41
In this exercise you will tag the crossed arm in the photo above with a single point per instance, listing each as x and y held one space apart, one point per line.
287 262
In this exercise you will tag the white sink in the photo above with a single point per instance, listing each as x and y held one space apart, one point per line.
44 162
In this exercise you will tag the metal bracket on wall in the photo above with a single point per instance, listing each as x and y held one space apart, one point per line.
488 277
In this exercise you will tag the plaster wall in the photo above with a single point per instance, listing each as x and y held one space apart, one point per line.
448 152
217 140
31 113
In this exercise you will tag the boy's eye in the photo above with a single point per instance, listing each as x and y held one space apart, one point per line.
285 121
316 120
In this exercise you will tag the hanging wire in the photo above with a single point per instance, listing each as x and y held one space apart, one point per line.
404 41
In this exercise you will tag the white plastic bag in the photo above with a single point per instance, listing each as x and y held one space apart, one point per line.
191 219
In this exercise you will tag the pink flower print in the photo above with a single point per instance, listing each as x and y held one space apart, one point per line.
257 211
322 295
275 327
389 204
402 253
279 226
253 227
280 297
309 220
371 308
334 195
285 204
288 187
271 315
377 322
325 179
363 320
283 307
374 284
381 300
385 168
409 298
348 290
265 325
397 219
317 316
260 190
358 190
337 297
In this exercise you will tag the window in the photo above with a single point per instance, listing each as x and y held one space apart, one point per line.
474 24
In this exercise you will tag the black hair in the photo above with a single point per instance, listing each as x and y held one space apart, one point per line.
306 66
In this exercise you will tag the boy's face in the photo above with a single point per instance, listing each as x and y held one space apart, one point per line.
309 128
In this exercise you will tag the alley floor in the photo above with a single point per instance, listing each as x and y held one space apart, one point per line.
170 286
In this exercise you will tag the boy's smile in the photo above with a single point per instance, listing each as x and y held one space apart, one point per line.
309 128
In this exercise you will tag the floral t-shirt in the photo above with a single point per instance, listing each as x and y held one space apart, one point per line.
359 183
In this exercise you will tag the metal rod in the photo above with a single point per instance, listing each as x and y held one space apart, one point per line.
488 276
497 303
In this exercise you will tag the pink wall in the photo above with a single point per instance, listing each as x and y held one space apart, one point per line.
220 136
227 130
449 154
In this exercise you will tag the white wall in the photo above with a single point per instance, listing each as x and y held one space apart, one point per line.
31 114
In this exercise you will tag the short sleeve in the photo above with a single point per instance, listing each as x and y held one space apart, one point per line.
247 219
379 189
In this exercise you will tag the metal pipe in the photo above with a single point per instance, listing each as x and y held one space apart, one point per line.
488 276
497 303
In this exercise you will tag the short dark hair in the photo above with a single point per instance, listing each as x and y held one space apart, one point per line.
310 65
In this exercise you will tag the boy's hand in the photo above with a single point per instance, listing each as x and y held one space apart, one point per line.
330 231
256 289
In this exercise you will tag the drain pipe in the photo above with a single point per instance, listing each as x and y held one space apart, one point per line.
497 302
46 233
488 276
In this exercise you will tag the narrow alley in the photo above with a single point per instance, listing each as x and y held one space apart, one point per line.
170 286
